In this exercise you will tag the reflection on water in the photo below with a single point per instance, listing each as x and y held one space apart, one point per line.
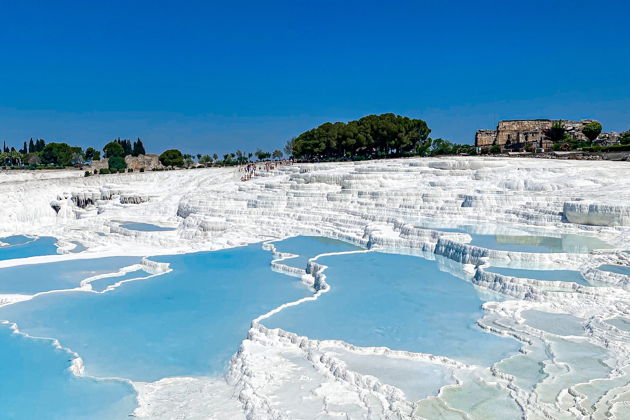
189 321
523 239
397 301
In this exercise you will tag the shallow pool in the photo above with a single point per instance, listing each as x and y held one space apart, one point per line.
307 247
101 284
16 240
545 275
617 269
36 278
44 245
188 322
144 227
397 301
535 243
36 383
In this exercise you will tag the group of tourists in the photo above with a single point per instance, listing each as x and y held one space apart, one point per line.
252 169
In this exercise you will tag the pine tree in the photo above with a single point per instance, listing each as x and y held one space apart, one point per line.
138 148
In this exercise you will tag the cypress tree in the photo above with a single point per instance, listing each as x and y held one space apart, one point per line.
138 148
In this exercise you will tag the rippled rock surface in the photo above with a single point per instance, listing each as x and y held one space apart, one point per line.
530 320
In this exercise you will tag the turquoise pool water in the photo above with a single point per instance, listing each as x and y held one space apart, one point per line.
531 241
102 284
188 322
617 269
44 245
536 243
307 247
548 275
621 323
35 383
78 248
144 227
36 278
397 301
16 240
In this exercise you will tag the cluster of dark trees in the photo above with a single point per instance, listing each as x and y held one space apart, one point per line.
370 136
37 154
135 149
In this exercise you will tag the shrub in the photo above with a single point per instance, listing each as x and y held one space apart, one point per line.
130 170
113 149
625 137
141 169
557 131
495 149
88 173
172 157
117 163
104 171
615 148
592 130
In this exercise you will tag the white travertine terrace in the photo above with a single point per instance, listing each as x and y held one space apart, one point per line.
380 205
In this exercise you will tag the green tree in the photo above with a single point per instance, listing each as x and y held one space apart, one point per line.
138 148
61 154
92 154
172 157
205 160
39 145
625 137
262 155
592 130
441 147
126 145
288 148
277 154
383 135
188 160
557 131
113 148
116 163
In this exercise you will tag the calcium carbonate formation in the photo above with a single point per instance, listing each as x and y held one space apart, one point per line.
402 206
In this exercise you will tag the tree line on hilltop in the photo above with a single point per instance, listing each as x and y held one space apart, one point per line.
370 137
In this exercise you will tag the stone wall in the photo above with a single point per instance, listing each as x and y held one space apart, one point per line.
97 165
146 162
485 137
520 134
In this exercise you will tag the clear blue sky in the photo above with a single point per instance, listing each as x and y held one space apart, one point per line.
208 76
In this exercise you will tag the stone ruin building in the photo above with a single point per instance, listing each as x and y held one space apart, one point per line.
146 162
519 135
